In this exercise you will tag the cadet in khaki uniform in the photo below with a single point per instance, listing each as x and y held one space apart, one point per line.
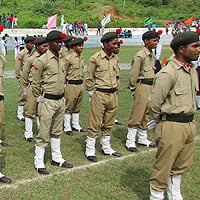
20 60
41 46
2 65
101 84
141 81
74 87
66 50
3 178
172 105
48 77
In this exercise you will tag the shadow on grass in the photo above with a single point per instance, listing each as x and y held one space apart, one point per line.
136 179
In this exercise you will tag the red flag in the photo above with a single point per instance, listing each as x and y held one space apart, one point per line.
52 21
164 61
189 21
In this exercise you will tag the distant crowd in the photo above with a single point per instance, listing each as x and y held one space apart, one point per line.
8 21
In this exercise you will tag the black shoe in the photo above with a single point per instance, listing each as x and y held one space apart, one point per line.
92 158
133 149
22 119
81 130
152 145
5 179
118 123
30 139
69 133
42 171
113 154
3 144
65 164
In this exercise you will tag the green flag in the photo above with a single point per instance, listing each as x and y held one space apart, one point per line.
148 20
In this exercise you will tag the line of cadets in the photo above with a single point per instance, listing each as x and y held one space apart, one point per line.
49 75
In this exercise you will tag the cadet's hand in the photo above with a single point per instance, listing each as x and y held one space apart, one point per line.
65 85
133 94
38 99
25 90
152 124
90 93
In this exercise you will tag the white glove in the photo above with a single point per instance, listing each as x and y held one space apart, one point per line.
152 124
25 90
90 93
65 85
133 94
38 99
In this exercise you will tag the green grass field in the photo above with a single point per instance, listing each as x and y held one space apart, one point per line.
111 178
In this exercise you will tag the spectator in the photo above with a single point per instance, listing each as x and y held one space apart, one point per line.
15 21
99 26
154 26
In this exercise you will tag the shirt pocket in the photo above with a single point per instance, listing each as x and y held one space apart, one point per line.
181 96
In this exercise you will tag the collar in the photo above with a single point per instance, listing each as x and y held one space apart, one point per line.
51 55
103 54
186 66
147 52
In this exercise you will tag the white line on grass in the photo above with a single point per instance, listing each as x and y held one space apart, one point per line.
67 171
82 167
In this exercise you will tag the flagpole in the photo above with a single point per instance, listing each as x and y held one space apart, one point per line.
124 4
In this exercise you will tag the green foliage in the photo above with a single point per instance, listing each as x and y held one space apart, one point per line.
35 13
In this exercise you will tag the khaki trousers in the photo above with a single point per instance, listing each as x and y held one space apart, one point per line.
1 116
138 117
51 114
31 104
102 112
74 97
22 97
175 142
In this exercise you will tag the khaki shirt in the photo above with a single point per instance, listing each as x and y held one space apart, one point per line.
64 52
48 73
20 60
74 66
27 75
102 71
142 67
174 91
2 65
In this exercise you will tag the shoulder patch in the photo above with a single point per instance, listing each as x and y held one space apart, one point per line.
118 61
35 67
94 62
19 58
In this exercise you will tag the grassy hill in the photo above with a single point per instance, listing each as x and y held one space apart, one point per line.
130 13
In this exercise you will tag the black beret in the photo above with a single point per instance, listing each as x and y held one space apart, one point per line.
40 40
150 35
77 41
107 37
69 37
184 38
29 39
56 36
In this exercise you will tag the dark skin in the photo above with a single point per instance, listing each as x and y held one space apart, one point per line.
186 54
68 44
42 48
78 49
110 47
30 46
151 44
54 47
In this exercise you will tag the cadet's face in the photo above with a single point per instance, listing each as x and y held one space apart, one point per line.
43 48
55 45
78 48
111 46
116 50
29 46
191 51
68 44
152 43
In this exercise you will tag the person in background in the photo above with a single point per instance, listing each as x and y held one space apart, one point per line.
16 47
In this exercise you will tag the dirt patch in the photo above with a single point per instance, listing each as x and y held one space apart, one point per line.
110 10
